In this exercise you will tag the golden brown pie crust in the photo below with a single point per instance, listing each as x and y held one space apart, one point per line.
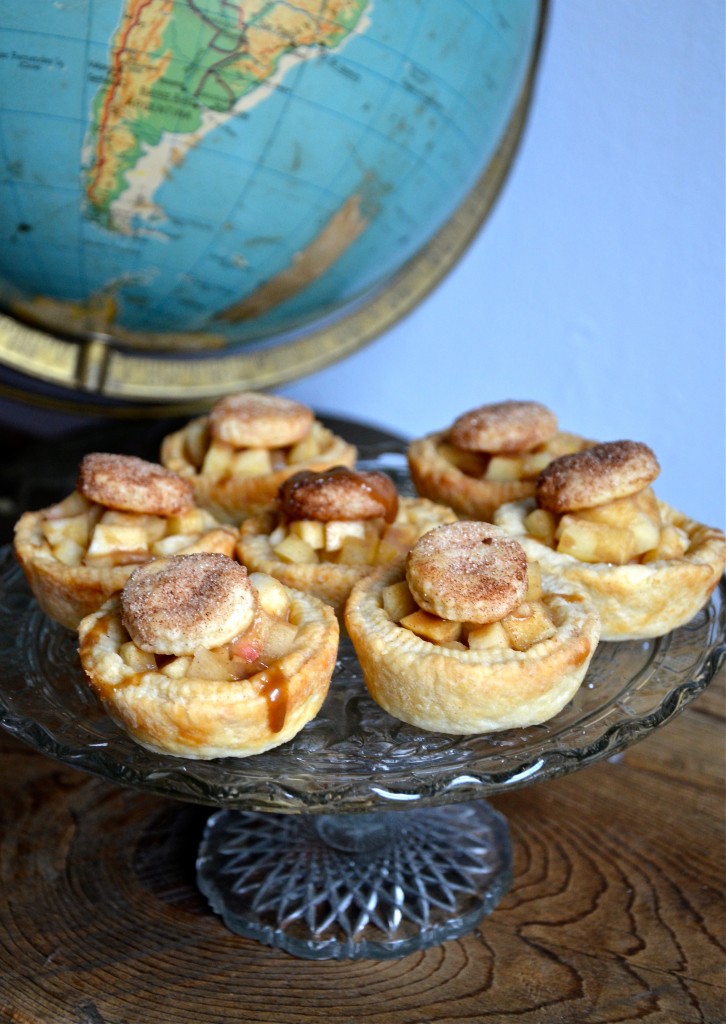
437 478
68 593
470 691
207 718
635 601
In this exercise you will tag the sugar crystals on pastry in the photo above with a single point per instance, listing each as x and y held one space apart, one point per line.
489 455
333 527
124 511
237 456
197 658
595 520
468 636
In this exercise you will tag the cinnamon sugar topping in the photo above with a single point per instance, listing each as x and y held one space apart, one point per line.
253 420
176 605
504 427
130 484
596 476
467 571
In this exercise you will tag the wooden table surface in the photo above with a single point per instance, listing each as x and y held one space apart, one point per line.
616 911
615 914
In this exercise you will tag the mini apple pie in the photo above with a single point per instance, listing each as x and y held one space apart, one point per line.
237 456
468 636
595 521
334 527
125 511
489 456
196 658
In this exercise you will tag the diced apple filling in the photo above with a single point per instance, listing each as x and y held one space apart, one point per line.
218 460
80 532
307 541
505 468
527 625
621 531
268 639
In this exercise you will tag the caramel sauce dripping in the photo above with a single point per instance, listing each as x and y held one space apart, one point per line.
275 691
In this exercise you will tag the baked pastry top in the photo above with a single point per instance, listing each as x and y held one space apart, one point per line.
125 511
197 658
489 456
332 528
468 636
237 457
595 520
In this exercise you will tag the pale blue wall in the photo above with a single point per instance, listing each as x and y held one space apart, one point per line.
597 285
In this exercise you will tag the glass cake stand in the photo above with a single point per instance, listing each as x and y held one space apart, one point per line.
362 837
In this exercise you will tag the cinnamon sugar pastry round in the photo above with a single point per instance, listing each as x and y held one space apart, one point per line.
467 571
174 605
130 484
504 427
237 457
659 590
489 456
253 420
595 476
236 699
77 553
453 688
327 559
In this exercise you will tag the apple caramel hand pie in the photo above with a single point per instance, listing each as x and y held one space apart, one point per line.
332 528
237 456
595 521
468 636
489 456
124 511
199 659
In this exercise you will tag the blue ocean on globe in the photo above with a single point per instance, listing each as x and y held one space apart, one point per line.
229 172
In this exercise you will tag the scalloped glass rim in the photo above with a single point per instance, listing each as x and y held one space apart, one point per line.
353 757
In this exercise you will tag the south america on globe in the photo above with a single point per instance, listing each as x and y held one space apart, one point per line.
213 173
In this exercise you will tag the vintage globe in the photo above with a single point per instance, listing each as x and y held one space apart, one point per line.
198 193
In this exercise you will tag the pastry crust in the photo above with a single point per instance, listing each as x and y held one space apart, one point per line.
464 691
635 601
504 427
332 581
206 718
471 572
436 477
233 498
603 473
67 593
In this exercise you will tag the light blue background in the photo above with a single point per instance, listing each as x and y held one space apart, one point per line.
597 284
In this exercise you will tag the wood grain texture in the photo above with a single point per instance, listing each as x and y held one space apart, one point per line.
616 912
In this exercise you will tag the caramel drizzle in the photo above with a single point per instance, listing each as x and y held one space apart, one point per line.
275 691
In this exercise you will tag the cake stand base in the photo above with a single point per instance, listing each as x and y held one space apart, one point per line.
355 886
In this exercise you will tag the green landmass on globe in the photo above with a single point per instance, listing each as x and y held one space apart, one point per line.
209 174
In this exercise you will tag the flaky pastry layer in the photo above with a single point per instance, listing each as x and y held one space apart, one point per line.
68 593
331 581
232 499
439 479
207 718
470 691
635 601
